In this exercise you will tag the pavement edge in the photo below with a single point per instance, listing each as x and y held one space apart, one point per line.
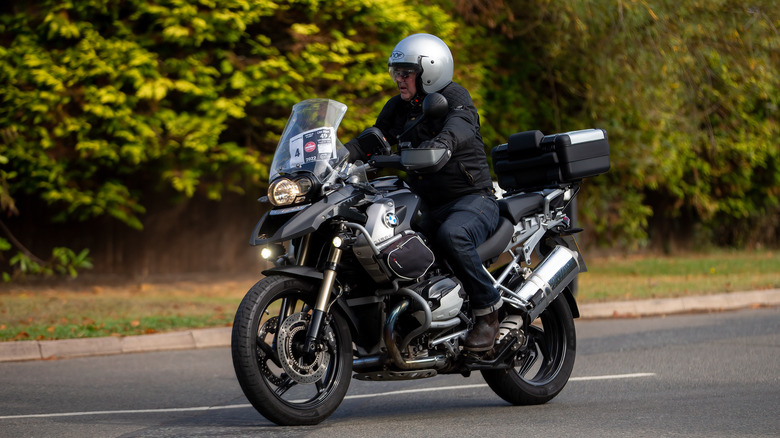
220 336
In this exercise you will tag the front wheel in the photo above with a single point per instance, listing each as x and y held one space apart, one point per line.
283 382
541 370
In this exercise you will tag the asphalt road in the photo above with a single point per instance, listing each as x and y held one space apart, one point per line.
702 375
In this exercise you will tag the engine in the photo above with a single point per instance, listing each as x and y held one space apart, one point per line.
444 296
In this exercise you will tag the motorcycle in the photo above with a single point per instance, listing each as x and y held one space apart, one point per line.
356 291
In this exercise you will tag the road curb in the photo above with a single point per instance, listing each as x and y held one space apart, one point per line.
220 336
670 306
71 348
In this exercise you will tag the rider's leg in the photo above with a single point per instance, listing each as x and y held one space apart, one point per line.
465 224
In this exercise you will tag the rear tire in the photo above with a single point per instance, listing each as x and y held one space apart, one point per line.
284 384
541 370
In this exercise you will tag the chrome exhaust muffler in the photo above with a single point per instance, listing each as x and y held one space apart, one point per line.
549 278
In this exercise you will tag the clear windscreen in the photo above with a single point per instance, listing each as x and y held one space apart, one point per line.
309 142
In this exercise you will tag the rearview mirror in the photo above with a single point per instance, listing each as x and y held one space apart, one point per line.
435 105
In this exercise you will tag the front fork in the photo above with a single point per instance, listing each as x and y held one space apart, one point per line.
323 297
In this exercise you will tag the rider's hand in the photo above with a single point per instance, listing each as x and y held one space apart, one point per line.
373 142
355 151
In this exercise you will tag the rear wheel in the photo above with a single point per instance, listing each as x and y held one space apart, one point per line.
283 382
541 370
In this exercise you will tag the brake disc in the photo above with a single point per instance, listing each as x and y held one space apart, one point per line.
291 338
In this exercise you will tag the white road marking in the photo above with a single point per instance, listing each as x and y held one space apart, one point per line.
133 411
349 397
612 377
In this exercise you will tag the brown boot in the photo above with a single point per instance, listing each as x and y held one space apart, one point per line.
483 335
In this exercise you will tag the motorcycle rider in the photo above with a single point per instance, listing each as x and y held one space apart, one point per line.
461 209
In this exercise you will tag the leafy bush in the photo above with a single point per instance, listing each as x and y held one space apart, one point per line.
687 91
106 103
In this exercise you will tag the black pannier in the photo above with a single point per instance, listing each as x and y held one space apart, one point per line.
408 257
531 160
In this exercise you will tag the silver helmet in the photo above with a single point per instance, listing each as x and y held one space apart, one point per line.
427 54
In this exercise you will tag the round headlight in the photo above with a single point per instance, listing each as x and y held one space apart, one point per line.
283 192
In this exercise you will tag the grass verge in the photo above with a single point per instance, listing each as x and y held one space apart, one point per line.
628 278
68 310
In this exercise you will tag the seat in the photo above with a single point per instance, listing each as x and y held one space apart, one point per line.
516 207
496 243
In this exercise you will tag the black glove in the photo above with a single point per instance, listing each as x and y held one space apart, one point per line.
370 142
373 142
355 152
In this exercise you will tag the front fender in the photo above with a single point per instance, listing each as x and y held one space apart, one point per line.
309 273
303 272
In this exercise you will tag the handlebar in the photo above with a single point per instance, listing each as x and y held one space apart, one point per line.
421 160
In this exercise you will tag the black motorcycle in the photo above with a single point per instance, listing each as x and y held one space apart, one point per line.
356 291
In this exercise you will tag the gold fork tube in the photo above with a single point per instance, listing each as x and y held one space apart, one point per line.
328 279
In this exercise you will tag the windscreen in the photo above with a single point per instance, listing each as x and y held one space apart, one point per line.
309 141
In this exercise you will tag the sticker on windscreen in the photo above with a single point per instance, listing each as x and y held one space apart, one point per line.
314 145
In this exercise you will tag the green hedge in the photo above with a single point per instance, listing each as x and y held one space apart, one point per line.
687 90
103 100
105 103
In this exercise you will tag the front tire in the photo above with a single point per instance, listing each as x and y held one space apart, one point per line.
541 370
284 384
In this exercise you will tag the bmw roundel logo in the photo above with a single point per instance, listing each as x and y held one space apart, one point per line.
391 220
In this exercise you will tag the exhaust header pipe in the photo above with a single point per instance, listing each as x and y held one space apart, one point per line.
548 279
435 362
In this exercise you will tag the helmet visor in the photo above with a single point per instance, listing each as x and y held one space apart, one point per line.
403 71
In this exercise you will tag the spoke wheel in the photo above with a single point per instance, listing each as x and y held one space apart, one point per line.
286 384
544 366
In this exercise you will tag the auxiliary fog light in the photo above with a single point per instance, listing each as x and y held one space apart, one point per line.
342 239
272 251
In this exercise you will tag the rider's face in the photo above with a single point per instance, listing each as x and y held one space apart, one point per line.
406 81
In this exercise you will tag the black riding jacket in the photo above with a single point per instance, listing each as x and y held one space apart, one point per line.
467 170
